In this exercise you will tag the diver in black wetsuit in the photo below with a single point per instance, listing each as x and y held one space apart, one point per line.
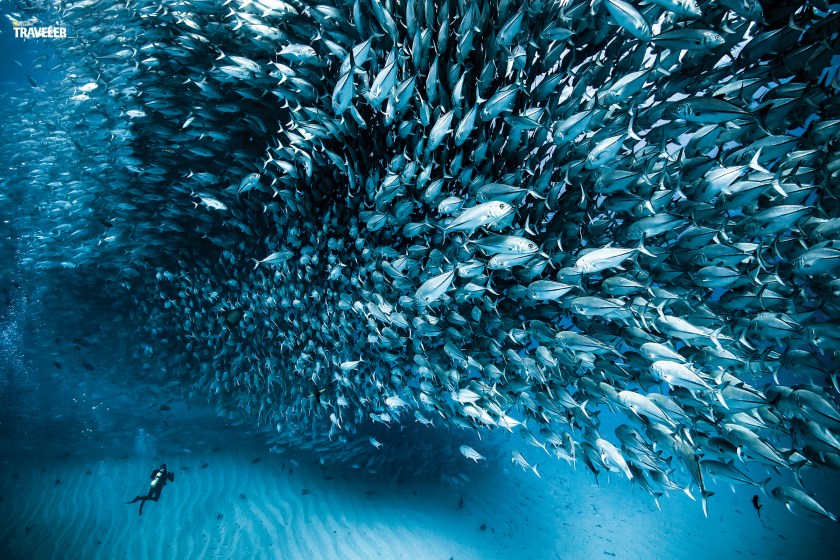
159 478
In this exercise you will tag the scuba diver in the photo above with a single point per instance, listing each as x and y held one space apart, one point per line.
159 478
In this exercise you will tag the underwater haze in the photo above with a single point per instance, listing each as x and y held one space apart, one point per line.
419 279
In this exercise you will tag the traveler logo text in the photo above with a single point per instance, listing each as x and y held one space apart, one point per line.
23 31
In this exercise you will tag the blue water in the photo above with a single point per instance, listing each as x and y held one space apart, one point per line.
86 413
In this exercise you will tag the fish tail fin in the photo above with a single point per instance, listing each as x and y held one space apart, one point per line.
658 68
796 466
763 485
659 309
630 131
256 263
441 229
527 218
641 247
534 468
583 408
755 165
743 341
478 98
761 119
715 336
705 495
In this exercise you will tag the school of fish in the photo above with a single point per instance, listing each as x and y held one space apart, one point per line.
478 214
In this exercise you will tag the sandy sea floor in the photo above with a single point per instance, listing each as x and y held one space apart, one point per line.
240 501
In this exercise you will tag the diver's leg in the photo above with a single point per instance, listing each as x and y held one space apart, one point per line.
154 495
137 499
